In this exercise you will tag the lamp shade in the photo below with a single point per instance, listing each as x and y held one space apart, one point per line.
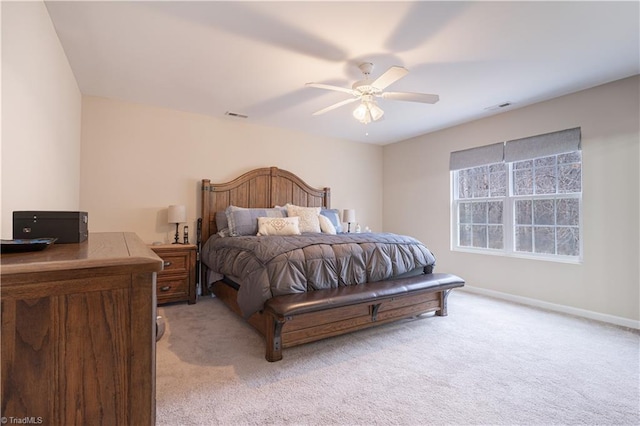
177 214
348 215
376 111
360 113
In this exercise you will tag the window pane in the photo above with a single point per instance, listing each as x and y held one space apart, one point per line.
480 181
569 178
526 164
543 212
524 239
545 180
465 235
545 161
479 236
495 212
497 168
479 212
464 184
523 182
523 212
498 184
570 157
544 239
568 211
496 237
568 241
464 212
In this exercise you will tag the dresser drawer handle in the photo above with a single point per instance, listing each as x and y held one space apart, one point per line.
167 263
165 288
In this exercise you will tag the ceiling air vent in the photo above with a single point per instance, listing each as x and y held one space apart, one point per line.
499 106
235 114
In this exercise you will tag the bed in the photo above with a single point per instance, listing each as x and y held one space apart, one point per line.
299 281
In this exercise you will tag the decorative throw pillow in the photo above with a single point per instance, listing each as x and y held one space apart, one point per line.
334 216
243 221
326 226
278 226
309 221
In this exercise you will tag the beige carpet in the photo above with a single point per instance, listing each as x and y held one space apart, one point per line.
488 362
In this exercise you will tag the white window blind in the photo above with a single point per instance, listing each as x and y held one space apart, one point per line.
479 156
542 145
517 150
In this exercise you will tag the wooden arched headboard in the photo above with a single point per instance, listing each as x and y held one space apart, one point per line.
260 188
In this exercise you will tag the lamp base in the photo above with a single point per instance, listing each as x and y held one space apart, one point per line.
177 236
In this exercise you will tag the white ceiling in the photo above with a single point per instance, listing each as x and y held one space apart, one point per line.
254 58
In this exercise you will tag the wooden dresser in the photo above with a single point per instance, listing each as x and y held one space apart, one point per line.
78 332
177 281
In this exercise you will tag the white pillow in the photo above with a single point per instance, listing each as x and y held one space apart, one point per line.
278 226
309 221
326 226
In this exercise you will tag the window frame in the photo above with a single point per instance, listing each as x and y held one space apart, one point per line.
509 218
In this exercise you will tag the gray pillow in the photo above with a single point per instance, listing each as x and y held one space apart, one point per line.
334 216
243 221
221 221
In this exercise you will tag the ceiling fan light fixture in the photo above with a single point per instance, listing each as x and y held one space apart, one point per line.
367 112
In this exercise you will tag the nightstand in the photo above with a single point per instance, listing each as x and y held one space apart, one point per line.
177 281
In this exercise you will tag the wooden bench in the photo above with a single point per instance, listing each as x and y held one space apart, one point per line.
294 319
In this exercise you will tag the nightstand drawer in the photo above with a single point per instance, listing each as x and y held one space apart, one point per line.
170 287
175 263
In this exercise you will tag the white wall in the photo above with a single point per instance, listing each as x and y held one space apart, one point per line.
137 160
417 196
41 107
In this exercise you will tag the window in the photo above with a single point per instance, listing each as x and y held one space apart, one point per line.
529 206
546 204
481 193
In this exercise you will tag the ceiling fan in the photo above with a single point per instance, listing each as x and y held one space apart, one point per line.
367 90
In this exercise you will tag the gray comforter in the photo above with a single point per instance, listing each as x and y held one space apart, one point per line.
269 266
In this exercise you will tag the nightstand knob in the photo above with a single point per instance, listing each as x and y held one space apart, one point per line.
165 288
167 263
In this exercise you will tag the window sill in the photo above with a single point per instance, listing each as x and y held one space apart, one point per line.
557 259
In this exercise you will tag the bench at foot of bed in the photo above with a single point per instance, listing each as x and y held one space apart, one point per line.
295 319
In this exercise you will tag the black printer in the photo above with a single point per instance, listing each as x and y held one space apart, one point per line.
67 227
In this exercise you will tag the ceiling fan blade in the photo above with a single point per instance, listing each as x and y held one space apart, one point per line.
389 77
411 97
330 87
334 106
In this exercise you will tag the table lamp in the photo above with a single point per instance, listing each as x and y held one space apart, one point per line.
348 215
177 215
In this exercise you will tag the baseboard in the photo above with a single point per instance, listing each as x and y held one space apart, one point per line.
611 319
